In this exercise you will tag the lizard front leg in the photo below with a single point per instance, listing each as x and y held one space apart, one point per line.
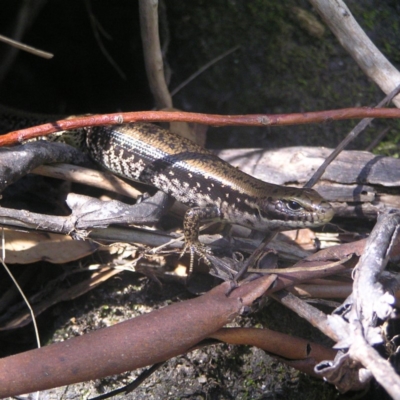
194 217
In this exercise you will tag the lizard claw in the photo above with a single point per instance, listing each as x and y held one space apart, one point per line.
198 249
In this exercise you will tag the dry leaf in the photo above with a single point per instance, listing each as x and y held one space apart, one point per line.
28 247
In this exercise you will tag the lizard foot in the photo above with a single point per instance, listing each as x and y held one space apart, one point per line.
195 247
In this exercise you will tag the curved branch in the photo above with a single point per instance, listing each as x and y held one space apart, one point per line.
152 53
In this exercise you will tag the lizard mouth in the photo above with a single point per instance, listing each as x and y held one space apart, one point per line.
325 212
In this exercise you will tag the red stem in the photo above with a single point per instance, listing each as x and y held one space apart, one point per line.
206 119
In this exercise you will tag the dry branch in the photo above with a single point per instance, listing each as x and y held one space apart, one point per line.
372 301
152 53
89 212
17 162
132 344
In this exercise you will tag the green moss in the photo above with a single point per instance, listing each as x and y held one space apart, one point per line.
390 144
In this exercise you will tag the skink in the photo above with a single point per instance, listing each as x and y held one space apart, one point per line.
212 188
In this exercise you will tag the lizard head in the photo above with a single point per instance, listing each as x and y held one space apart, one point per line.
293 208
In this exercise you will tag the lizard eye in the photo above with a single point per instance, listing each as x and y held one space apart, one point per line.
294 205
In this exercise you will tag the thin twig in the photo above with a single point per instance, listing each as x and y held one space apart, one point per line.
133 385
2 260
255 255
378 139
25 47
96 28
27 13
203 68
293 270
263 120
322 291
